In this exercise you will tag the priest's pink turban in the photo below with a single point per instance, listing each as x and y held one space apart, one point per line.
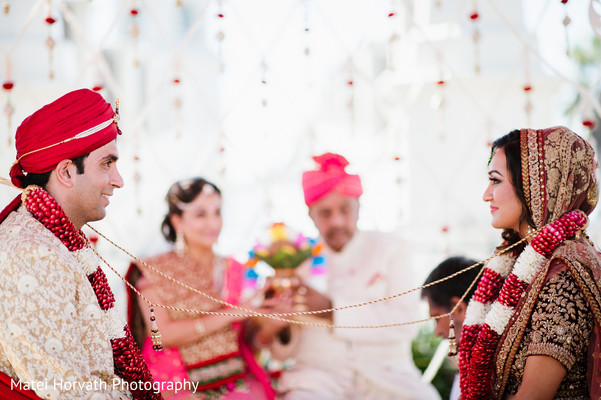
73 125
330 177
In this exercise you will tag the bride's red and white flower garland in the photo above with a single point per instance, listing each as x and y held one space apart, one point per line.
503 282
129 364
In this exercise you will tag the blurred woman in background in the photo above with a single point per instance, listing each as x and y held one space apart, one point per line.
207 350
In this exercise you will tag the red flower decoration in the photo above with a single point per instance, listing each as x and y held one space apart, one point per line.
97 88
391 14
8 85
440 83
527 88
589 123
49 20
220 15
474 16
133 12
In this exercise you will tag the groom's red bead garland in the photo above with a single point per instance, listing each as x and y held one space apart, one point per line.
129 364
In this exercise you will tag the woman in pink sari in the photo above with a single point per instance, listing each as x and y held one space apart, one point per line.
204 350
533 328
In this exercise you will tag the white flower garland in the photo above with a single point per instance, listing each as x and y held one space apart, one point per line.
528 264
87 259
115 323
502 264
476 311
526 267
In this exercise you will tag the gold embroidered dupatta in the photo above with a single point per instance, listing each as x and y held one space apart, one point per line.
558 175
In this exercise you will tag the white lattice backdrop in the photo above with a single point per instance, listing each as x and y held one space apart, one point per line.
244 92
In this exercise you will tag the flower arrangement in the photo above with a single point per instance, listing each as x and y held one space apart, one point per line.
284 248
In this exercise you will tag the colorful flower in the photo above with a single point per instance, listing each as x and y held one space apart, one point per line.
284 249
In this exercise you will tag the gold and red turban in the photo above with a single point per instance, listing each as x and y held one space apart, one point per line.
330 177
69 127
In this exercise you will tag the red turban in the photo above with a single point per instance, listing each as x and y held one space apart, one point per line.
71 126
330 177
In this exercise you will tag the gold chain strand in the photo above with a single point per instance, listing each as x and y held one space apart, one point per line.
278 316
252 313
298 313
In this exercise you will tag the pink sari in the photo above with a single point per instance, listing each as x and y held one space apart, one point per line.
167 367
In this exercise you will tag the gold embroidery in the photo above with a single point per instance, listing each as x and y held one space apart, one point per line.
560 326
185 269
535 187
525 168
512 336
31 346
592 196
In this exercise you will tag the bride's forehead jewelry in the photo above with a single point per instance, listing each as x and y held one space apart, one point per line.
206 189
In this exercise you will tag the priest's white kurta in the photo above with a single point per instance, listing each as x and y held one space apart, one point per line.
361 364
53 335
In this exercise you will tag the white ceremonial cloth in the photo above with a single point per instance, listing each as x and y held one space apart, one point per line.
53 337
362 363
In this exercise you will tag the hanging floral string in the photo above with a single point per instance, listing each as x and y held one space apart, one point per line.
474 17
307 29
134 31
50 43
566 21
220 36
438 100
177 100
9 110
527 88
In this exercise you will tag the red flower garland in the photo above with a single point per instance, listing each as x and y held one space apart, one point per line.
488 289
129 364
479 342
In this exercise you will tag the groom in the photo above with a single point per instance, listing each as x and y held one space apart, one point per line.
60 335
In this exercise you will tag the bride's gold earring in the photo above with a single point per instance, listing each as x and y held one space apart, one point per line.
530 230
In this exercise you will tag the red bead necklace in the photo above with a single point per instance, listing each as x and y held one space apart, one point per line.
128 361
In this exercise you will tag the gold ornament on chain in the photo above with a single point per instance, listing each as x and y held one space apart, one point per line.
155 335
452 340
